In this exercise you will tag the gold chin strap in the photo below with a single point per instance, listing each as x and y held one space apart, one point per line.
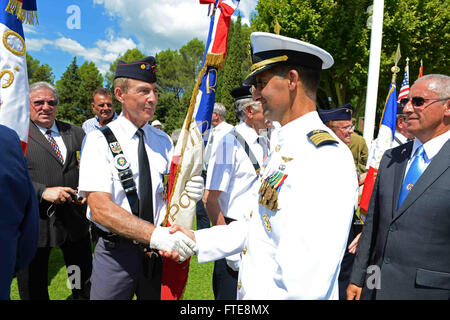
262 64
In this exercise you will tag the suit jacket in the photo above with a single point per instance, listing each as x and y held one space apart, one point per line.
68 220
19 217
411 245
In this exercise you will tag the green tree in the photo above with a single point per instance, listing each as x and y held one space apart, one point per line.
91 79
192 58
233 74
37 72
169 72
177 72
69 107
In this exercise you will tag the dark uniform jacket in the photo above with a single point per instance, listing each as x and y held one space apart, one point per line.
411 245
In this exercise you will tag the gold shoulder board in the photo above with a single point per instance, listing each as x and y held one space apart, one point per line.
321 137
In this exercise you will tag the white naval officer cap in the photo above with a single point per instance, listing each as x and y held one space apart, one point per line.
270 49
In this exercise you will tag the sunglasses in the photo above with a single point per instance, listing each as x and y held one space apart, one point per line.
40 103
419 101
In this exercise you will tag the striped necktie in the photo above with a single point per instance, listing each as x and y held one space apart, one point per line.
54 145
414 172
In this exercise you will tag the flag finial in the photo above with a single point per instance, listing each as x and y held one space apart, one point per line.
277 27
395 69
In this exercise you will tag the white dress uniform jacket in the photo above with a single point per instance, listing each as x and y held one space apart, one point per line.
231 171
98 170
295 251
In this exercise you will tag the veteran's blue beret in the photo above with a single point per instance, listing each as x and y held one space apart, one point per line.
336 114
143 70
241 92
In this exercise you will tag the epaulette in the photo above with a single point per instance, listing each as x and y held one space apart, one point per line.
321 137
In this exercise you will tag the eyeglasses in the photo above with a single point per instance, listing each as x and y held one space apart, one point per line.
419 101
346 128
39 103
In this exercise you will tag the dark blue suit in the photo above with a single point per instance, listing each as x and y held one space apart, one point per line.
19 214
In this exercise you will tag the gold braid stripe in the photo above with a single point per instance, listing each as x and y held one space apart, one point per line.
264 63
321 137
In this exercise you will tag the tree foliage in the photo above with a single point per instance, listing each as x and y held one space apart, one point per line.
177 72
37 72
75 91
340 27
237 65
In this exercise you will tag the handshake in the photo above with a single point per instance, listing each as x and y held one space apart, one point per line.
174 242
177 243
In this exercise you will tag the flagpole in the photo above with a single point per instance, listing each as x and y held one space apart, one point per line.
374 71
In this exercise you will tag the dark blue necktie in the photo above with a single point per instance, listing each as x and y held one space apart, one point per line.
415 171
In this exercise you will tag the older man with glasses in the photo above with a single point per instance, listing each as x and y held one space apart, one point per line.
340 121
403 250
53 156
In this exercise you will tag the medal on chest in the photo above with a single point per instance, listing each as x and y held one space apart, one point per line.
268 192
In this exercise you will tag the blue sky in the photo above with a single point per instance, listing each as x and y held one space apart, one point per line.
102 30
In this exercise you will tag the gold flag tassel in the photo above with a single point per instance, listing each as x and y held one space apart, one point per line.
26 16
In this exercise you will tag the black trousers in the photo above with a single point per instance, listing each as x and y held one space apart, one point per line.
225 281
347 261
33 280
201 214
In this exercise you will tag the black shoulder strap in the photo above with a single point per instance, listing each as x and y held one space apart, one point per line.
398 140
248 151
125 175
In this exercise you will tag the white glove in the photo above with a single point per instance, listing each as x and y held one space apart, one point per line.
195 188
162 240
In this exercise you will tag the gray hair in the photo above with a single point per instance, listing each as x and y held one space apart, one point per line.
46 85
239 107
220 109
439 84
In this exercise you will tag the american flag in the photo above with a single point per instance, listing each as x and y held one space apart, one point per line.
404 90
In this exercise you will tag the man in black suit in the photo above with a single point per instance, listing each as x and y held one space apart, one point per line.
53 162
405 244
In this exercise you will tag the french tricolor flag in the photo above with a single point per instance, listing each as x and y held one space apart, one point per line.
14 96
188 154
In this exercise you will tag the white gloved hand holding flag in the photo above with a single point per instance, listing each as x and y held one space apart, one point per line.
195 188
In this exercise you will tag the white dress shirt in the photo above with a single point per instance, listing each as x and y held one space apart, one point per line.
431 147
294 252
98 171
231 171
